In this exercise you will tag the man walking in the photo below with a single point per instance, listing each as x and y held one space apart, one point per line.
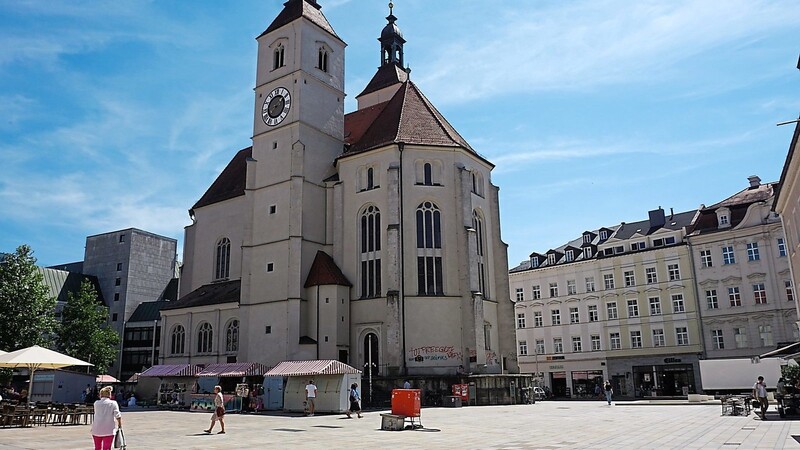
609 391
311 395
760 394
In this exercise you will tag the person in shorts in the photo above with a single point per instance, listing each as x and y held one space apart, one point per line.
311 395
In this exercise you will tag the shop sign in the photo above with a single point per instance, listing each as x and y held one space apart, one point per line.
555 358
671 360
557 367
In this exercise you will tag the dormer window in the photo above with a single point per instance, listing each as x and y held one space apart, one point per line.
277 57
587 238
322 59
723 217
587 253
551 258
535 262
570 256
603 235
723 220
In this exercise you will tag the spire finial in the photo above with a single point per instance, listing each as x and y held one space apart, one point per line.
391 5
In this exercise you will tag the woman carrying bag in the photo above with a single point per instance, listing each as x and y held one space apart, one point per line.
355 398
106 413
219 411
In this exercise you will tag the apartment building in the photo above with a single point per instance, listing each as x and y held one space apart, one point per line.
617 303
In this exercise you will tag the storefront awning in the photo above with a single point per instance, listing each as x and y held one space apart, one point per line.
783 351
306 368
244 369
171 370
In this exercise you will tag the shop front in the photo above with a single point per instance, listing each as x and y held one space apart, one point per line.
674 376
574 379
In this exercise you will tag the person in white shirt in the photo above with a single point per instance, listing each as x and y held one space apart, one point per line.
311 395
107 419
219 411
760 393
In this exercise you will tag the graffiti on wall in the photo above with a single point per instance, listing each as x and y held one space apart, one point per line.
434 353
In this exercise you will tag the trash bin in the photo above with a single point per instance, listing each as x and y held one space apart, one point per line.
451 401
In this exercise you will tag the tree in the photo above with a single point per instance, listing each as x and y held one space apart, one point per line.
83 333
27 311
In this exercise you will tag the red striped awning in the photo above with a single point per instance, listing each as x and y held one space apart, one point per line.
171 370
306 368
244 369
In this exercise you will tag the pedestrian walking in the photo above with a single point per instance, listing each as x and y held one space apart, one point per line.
106 413
311 395
760 394
355 401
219 411
609 391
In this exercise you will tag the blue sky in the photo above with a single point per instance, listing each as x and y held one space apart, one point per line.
120 114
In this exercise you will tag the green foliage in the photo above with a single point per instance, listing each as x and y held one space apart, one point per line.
83 333
791 374
26 307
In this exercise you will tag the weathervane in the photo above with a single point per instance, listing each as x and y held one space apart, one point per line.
391 5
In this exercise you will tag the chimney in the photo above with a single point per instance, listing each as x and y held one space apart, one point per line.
754 180
657 218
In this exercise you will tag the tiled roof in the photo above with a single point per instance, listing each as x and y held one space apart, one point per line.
311 368
230 183
325 271
171 370
409 118
295 9
243 369
737 204
209 294
672 222
386 76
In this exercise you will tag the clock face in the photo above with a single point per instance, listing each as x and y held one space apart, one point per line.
276 106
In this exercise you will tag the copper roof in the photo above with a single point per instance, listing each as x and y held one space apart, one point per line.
230 183
325 271
295 9
409 118
311 368
209 294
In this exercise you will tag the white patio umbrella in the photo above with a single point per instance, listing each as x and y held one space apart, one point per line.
34 358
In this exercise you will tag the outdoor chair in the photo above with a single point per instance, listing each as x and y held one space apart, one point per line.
39 415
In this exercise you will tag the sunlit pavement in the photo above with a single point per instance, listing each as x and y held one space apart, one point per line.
545 425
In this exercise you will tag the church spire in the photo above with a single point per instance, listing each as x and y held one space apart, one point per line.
391 41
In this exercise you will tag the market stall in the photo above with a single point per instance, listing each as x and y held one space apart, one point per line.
240 383
332 378
175 383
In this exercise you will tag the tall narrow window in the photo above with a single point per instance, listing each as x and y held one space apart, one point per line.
429 250
232 336
223 263
427 174
487 335
370 228
781 247
277 57
205 337
178 339
322 59
752 251
370 179
480 235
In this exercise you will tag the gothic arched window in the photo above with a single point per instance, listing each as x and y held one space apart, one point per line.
277 57
205 337
370 179
223 261
178 339
427 170
429 250
322 59
370 251
480 249
232 336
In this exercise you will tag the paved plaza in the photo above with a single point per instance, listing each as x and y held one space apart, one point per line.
545 425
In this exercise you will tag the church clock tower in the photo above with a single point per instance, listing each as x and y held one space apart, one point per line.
298 125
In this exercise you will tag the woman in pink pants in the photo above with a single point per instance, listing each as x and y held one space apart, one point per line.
106 413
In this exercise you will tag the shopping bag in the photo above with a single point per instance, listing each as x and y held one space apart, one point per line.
119 439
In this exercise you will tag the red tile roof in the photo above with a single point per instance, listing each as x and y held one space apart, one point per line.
409 117
324 271
230 183
311 368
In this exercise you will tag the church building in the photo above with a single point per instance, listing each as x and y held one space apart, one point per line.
372 238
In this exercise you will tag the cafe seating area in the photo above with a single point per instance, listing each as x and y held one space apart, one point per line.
44 414
736 405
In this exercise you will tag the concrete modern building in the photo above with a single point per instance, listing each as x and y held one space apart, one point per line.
618 303
742 272
132 266
371 237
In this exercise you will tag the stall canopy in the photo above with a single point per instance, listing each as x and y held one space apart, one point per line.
307 368
35 358
171 370
106 379
243 369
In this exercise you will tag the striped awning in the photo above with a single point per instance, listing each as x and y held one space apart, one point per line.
243 369
306 368
171 370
